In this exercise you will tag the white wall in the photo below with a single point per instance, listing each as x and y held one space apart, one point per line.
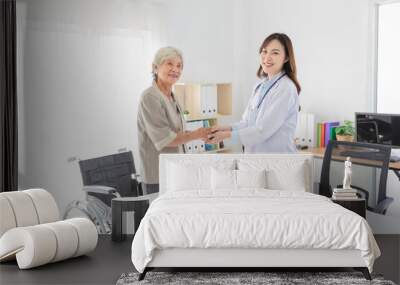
84 65
388 100
211 35
330 39
83 74
220 40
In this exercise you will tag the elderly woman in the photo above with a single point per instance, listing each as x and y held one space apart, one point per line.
160 123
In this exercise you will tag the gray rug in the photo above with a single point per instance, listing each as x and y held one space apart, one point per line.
229 278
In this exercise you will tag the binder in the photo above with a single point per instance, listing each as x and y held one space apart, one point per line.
301 130
333 133
311 130
194 146
319 127
306 130
203 100
208 100
212 100
328 131
189 147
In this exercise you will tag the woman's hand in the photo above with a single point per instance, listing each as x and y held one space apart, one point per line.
221 128
187 136
218 136
202 133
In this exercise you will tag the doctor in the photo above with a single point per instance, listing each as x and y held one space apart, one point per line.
270 118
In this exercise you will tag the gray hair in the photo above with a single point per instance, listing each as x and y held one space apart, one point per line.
163 54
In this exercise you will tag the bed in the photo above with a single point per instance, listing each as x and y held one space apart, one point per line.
241 210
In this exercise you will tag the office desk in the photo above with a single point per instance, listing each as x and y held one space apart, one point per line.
369 155
319 152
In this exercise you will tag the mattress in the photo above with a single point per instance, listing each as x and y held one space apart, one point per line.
250 219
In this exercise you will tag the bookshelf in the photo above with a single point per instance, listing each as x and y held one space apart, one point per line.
206 103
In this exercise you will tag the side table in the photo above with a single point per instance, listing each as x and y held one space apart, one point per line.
119 205
358 206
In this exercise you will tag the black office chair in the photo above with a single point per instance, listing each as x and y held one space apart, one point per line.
367 154
105 178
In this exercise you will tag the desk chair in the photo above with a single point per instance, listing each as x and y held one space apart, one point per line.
105 178
371 155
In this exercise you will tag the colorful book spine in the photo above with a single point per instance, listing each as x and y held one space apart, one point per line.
326 132
328 128
318 134
208 123
333 134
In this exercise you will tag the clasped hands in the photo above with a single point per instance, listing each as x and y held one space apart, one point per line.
214 134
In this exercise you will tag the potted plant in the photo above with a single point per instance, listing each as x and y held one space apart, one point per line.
186 115
345 132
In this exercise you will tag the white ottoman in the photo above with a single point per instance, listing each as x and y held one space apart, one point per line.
30 231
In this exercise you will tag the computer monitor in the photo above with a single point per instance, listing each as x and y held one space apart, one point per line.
378 128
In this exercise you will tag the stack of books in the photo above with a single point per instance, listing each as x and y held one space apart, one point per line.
344 194
326 132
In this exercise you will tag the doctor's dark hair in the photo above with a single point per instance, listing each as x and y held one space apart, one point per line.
290 66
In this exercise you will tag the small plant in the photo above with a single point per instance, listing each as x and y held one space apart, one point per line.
347 129
186 115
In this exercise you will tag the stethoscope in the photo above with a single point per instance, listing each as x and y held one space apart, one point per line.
265 94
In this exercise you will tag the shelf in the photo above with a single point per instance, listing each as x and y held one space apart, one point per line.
215 99
205 102
219 150
218 116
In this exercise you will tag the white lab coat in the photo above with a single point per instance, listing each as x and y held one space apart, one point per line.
270 127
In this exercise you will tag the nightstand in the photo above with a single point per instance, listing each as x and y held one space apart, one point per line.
119 205
358 206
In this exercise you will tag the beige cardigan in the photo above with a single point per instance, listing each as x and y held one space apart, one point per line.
158 122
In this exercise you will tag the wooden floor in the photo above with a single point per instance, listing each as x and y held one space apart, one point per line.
110 260
103 266
389 262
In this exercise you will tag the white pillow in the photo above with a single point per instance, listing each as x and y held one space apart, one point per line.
183 177
189 174
223 179
251 179
282 173
295 180
228 179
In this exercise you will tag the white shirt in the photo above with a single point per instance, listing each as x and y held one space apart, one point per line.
269 124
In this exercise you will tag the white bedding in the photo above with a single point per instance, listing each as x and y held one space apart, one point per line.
251 218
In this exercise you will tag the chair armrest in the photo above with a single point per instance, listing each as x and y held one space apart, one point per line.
101 189
137 182
383 206
137 177
380 208
151 196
